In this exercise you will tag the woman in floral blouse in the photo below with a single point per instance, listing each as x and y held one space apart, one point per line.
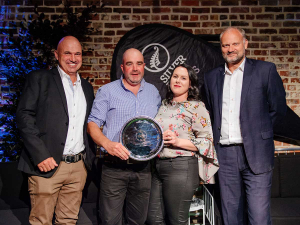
188 151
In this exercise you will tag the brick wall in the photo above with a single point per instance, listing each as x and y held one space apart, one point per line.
272 27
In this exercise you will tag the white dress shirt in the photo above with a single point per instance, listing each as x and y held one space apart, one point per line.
76 109
232 90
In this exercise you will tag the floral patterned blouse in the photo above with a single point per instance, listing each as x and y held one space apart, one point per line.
190 120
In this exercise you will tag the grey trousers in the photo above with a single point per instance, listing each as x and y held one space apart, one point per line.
173 184
124 193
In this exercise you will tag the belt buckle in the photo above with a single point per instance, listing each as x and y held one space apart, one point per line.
65 159
128 161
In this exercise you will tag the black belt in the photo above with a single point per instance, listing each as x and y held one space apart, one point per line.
107 158
72 158
236 144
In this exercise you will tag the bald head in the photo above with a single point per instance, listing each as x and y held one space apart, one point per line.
69 55
133 66
67 39
132 52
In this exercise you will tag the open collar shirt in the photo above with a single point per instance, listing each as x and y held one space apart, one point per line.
76 110
115 104
232 90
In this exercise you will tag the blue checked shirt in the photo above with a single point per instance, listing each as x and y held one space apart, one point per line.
114 105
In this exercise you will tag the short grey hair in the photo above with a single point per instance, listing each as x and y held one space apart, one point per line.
242 32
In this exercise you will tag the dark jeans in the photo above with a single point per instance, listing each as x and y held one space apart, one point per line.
241 188
129 184
173 184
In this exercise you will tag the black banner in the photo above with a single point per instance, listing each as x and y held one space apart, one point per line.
164 47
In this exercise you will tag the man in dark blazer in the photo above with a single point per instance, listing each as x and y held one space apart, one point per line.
246 99
52 118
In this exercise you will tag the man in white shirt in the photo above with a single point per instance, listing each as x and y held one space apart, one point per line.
52 119
246 99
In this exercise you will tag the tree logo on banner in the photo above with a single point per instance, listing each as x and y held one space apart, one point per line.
154 61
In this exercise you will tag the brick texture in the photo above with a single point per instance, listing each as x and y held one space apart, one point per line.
272 29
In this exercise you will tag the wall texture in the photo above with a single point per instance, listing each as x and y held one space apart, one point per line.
272 27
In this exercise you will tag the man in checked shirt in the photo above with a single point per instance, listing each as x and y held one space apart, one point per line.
115 103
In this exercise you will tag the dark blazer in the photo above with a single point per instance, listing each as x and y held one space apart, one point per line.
42 118
262 105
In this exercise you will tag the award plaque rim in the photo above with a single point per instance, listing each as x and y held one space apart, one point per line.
133 156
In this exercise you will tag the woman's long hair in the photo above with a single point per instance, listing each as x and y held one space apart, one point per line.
193 92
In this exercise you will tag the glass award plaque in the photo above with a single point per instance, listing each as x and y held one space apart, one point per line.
142 136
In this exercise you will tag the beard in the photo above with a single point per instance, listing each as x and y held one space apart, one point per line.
234 60
135 81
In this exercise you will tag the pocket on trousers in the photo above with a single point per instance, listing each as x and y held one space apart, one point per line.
84 167
267 134
56 171
180 165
